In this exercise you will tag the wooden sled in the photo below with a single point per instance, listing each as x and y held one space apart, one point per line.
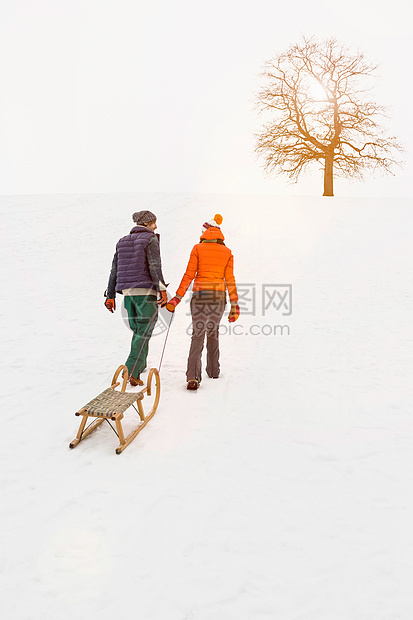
111 404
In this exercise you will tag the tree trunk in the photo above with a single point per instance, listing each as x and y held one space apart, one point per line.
328 175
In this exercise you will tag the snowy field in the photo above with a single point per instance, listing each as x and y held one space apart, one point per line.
280 491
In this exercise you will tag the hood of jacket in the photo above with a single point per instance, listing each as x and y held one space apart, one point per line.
212 233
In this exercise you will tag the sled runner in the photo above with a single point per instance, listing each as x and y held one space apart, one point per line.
111 404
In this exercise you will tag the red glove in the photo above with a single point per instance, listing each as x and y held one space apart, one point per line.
163 299
110 305
234 313
172 303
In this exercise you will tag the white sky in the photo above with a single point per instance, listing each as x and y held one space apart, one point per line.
131 96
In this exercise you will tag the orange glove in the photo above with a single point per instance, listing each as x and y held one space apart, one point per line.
172 303
163 299
110 305
233 313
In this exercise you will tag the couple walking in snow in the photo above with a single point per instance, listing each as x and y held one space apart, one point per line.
137 274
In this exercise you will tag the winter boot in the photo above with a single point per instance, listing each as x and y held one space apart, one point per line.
134 382
211 376
192 385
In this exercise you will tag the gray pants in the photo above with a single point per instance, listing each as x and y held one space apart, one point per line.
207 308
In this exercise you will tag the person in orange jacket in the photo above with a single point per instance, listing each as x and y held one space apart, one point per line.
211 268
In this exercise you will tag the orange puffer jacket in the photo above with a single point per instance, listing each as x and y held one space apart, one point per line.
211 263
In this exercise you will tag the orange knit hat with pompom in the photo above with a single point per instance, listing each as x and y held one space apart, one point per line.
216 222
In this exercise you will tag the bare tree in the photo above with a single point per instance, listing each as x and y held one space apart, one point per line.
319 103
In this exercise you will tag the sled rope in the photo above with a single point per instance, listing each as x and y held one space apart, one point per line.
146 337
166 338
155 316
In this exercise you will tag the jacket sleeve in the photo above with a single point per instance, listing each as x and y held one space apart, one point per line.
110 292
153 255
189 274
230 280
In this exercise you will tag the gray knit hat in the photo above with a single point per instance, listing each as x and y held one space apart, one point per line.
143 217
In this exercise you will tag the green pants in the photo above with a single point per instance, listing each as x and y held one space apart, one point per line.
141 311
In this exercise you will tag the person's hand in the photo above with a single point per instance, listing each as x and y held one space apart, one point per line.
110 305
172 303
233 313
162 299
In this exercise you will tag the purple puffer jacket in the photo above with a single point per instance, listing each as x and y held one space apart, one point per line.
132 263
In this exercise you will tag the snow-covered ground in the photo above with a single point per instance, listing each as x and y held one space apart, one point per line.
280 491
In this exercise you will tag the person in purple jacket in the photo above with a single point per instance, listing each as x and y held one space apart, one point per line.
136 273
